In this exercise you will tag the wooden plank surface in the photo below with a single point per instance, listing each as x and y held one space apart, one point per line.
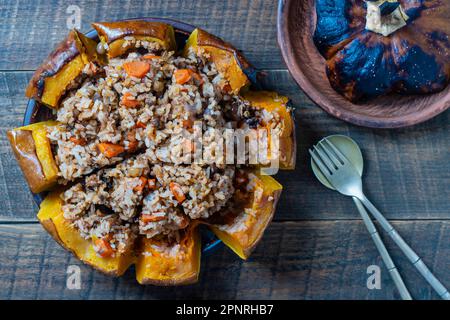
295 260
30 28
407 170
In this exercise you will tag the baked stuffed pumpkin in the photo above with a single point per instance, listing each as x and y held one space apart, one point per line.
376 47
116 200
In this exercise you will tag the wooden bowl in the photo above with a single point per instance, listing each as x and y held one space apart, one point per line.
296 24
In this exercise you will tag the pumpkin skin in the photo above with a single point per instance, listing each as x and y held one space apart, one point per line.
33 152
113 34
64 65
228 60
262 202
362 64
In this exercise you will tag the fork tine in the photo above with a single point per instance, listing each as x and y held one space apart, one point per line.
329 163
320 164
337 163
336 151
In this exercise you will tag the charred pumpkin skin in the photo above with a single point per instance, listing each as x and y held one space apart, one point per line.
154 268
51 217
65 64
273 102
32 150
228 60
113 33
362 64
262 203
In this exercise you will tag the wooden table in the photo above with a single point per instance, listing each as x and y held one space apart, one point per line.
317 247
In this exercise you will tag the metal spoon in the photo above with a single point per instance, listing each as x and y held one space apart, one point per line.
346 179
351 150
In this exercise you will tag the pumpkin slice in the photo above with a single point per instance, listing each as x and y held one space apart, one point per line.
33 152
59 72
246 229
168 265
113 35
229 62
273 102
51 217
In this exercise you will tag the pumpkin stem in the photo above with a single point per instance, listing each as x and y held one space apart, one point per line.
385 16
388 7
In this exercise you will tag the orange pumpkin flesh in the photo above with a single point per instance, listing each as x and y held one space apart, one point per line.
273 102
62 68
32 150
229 62
113 35
246 229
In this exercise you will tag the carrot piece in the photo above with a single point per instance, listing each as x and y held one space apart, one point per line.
227 88
110 150
152 184
137 69
140 125
177 192
150 57
182 75
146 218
79 141
142 183
187 123
103 248
129 101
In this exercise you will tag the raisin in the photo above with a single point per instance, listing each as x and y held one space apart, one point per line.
252 122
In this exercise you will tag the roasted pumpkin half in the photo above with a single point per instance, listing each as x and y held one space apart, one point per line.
383 46
118 197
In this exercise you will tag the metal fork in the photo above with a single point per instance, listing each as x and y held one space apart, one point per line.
341 173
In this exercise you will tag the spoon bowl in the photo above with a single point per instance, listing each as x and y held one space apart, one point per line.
349 148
